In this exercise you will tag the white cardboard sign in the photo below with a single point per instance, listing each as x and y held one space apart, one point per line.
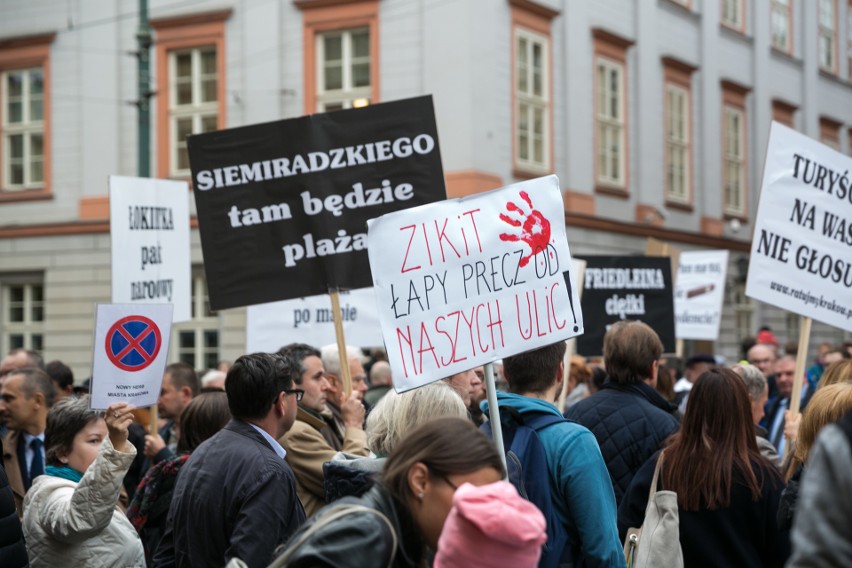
131 350
699 292
310 320
801 252
468 281
149 229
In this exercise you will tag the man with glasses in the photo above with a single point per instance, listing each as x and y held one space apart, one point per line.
311 442
236 495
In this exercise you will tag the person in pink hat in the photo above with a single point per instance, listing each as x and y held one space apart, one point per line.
491 526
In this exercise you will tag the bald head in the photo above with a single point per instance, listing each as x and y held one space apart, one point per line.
763 357
380 374
18 359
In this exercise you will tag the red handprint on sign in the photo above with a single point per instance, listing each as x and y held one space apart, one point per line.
534 228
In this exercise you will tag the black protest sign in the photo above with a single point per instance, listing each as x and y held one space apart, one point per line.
283 206
626 288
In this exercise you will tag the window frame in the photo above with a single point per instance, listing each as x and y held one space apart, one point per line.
197 110
528 103
684 144
831 36
605 122
677 74
739 10
829 132
336 16
184 33
779 10
23 54
348 95
203 320
736 159
29 327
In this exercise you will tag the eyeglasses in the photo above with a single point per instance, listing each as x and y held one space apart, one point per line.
298 392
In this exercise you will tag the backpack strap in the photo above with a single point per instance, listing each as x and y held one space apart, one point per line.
540 420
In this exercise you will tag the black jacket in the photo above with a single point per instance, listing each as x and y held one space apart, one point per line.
358 539
13 551
234 498
742 534
630 423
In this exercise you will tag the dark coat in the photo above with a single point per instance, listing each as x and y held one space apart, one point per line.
359 538
234 498
630 423
742 534
13 550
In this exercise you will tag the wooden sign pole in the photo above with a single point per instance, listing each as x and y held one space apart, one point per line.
345 376
801 361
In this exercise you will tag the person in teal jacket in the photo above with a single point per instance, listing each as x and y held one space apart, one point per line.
580 483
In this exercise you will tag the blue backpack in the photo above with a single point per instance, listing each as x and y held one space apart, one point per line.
526 462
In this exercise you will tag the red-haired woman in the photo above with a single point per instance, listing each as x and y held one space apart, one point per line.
727 493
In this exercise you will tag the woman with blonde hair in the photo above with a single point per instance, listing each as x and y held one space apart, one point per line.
837 372
393 417
827 406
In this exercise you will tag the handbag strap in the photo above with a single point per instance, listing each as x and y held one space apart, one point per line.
657 470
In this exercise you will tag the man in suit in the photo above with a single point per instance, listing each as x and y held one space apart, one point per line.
236 496
180 385
27 395
785 371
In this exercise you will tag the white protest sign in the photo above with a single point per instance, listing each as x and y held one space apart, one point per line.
699 292
310 320
149 229
131 349
801 252
467 281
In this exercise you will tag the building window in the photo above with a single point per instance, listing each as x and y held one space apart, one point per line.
193 101
341 54
611 122
784 113
343 69
197 340
23 316
25 115
190 72
849 38
23 128
734 174
732 14
743 311
781 11
827 35
829 132
532 123
678 139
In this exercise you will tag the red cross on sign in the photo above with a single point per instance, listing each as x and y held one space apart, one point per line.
133 342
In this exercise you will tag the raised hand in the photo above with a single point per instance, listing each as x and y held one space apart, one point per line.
532 228
118 418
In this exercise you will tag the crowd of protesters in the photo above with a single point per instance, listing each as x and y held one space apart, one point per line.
269 462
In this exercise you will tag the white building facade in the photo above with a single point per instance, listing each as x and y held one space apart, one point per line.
653 113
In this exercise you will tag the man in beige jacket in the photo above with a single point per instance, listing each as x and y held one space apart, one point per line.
310 442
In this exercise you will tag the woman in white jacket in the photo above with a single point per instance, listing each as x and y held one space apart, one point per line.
70 515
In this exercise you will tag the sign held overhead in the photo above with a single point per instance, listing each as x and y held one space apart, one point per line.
468 281
801 252
283 206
